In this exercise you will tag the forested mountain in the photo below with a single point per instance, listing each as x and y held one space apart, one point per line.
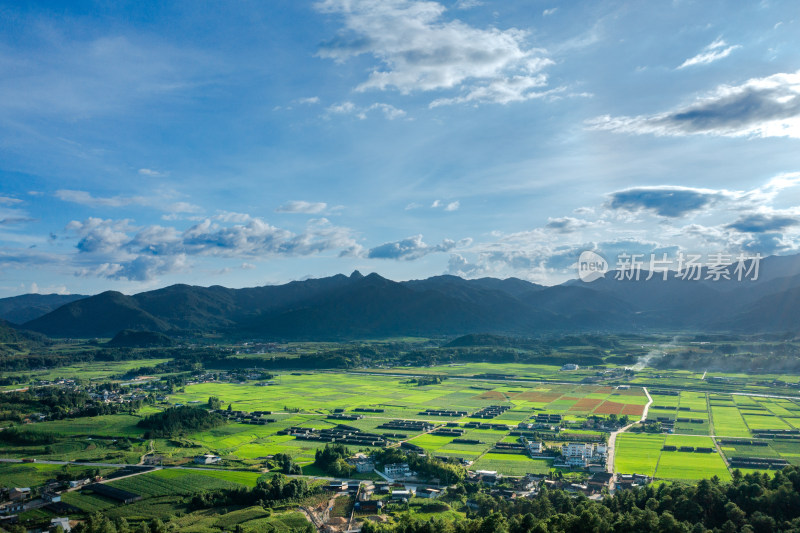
358 306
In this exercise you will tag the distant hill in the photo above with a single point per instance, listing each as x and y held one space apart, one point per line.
358 306
103 315
15 341
480 339
27 307
128 338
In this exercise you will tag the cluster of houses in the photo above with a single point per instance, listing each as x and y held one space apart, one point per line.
341 434
231 376
530 485
443 412
412 426
16 500
243 417
372 498
490 411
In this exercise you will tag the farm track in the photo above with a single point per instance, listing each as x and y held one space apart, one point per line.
612 437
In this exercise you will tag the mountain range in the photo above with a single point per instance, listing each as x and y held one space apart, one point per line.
357 306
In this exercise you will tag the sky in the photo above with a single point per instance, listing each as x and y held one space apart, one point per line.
248 143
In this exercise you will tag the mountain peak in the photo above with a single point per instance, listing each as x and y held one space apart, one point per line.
356 275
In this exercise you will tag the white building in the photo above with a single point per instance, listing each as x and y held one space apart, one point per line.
60 521
397 470
535 448
207 459
582 453
403 495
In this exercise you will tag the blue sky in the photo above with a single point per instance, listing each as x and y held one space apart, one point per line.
246 143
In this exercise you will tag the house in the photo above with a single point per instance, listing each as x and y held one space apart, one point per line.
19 494
338 486
60 521
431 494
599 480
632 480
362 463
207 459
79 483
577 487
530 481
489 477
535 447
369 506
403 495
51 497
577 453
397 470
570 366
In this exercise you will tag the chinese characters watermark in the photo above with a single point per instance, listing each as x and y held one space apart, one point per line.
635 267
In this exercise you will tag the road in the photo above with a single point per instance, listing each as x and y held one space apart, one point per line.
612 438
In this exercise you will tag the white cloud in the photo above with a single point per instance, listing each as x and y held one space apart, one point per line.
389 111
342 108
117 249
760 107
7 200
715 51
409 249
299 206
436 204
159 201
100 235
566 224
548 12
502 91
152 173
48 289
184 207
468 4
310 100
86 198
420 51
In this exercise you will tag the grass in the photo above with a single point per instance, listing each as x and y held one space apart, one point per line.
688 465
728 422
512 464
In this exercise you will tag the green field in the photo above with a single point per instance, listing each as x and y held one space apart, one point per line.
637 454
306 399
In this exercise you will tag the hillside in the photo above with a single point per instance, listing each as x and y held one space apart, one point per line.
128 338
98 316
27 307
13 341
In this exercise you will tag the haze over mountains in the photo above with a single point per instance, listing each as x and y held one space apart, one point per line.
358 306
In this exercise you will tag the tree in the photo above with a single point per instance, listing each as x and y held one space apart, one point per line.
214 403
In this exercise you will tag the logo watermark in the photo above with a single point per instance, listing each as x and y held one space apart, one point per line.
634 267
591 266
